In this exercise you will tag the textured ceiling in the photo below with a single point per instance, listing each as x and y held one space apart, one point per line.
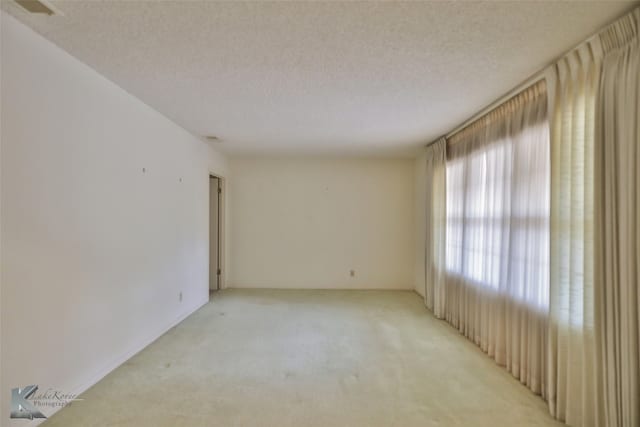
309 77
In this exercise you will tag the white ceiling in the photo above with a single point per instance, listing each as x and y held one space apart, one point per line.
310 77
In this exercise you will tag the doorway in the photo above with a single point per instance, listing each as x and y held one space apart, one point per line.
215 233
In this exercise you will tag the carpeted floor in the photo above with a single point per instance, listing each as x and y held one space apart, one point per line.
281 358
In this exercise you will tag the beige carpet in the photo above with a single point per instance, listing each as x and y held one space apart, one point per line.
309 358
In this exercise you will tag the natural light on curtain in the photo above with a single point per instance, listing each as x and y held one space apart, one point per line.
498 211
594 321
497 234
572 391
542 233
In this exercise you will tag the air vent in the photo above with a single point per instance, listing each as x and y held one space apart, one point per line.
212 138
38 6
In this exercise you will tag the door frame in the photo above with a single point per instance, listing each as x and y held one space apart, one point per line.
221 228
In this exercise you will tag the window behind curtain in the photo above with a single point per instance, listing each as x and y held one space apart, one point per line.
498 178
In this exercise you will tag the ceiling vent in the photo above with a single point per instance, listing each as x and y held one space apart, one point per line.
213 138
38 6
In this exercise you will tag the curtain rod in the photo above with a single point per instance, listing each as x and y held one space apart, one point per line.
512 93
533 78
538 75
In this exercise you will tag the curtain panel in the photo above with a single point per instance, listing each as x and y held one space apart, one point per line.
617 225
497 234
594 371
542 232
572 389
434 292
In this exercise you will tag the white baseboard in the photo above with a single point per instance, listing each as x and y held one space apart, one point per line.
93 378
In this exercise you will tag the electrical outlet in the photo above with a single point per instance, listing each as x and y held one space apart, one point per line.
180 296
352 273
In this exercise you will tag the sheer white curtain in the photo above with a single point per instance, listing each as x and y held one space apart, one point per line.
542 241
594 329
617 229
435 230
572 389
497 234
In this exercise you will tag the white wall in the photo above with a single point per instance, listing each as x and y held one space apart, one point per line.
305 223
419 220
94 251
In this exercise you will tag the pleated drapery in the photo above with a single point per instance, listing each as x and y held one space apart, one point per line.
617 226
542 232
594 374
571 382
435 227
497 234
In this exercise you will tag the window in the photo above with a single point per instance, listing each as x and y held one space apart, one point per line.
498 215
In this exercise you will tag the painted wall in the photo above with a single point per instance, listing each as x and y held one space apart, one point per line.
305 223
419 221
95 252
